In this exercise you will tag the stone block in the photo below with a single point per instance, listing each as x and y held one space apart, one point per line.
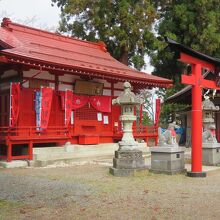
128 172
210 154
169 160
131 154
128 163
14 164
69 148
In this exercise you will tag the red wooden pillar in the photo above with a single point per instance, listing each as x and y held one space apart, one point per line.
56 82
112 88
9 152
30 150
197 81
197 120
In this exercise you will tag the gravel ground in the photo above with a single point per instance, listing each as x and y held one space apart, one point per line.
89 192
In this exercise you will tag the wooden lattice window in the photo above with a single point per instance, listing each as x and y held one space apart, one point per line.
88 87
86 113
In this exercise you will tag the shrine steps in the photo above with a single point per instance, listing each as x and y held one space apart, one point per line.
14 164
76 153
69 154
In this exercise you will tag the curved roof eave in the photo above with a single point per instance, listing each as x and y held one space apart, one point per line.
31 46
96 72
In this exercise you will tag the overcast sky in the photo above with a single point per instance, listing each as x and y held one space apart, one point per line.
36 13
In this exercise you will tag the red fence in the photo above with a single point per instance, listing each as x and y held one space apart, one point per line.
28 132
30 135
143 132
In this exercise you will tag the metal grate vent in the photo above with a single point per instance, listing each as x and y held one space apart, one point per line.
86 113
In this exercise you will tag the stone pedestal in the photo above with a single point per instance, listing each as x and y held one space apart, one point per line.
128 163
210 154
168 160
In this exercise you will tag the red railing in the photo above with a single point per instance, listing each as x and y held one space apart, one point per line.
145 132
30 132
29 135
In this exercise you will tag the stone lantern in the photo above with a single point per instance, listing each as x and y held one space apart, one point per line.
128 159
210 146
128 101
208 117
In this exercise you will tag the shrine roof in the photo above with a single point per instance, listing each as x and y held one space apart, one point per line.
52 51
177 48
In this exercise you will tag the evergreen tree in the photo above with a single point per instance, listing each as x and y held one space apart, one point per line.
195 24
123 25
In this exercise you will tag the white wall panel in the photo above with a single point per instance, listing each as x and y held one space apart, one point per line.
107 92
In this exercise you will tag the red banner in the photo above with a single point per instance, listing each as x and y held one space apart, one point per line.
15 103
79 101
101 103
157 112
68 106
46 94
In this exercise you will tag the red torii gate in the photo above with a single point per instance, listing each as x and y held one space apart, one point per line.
198 62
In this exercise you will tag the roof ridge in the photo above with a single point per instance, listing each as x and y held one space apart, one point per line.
78 60
7 23
68 50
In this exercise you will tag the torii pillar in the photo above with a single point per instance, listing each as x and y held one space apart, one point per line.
197 82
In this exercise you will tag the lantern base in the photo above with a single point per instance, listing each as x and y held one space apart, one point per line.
128 163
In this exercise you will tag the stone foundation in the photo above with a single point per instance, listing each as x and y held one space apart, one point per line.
211 154
168 160
128 163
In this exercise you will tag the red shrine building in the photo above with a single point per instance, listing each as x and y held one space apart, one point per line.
55 89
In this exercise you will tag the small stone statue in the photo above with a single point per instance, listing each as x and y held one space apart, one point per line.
168 157
168 138
208 136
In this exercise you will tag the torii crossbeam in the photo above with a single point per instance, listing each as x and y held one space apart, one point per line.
198 62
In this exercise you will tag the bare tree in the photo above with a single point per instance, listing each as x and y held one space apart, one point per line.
29 21
147 98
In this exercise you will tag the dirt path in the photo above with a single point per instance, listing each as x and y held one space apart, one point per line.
89 192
